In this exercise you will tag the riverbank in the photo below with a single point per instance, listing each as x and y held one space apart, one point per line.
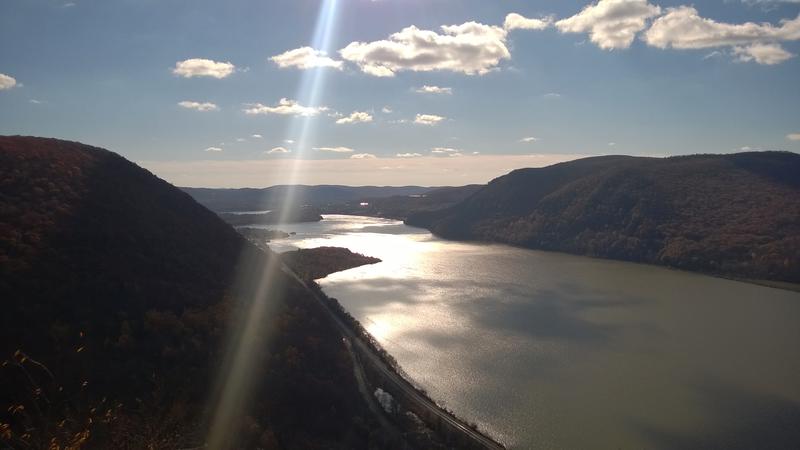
384 372
783 285
424 422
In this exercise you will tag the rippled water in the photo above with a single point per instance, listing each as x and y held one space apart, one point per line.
545 350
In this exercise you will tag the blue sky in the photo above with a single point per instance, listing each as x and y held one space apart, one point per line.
182 87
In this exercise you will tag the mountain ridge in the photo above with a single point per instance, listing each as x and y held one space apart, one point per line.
734 215
118 293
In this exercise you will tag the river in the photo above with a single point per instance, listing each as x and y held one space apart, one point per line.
547 350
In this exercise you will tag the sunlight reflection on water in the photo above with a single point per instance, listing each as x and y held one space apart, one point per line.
547 350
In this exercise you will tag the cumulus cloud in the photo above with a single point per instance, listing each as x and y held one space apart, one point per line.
198 67
768 54
284 107
408 155
611 24
386 110
427 119
197 106
334 149
278 150
305 58
7 82
256 136
683 28
471 48
516 21
363 156
433 90
529 139
793 136
213 149
355 117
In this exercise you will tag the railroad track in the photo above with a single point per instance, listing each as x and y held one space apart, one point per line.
398 381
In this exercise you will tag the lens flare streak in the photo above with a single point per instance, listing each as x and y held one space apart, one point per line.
246 340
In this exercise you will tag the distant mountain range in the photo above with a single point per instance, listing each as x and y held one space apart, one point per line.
251 199
401 206
118 294
735 215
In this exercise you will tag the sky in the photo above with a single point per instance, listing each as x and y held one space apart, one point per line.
241 93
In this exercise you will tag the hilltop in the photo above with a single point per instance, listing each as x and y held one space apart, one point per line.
734 215
119 293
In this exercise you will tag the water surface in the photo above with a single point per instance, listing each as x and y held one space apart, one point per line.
546 350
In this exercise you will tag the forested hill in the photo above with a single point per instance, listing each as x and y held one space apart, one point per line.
117 295
735 215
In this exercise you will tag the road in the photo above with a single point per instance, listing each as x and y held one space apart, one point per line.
395 379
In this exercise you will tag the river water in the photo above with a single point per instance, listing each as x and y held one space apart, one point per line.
546 350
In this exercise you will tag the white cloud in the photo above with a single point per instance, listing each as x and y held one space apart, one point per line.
456 154
471 48
197 106
793 136
7 82
386 110
35 102
198 67
444 150
284 107
714 54
305 58
241 140
213 149
515 21
683 28
334 149
611 24
552 95
288 141
408 155
612 144
363 156
427 119
256 136
434 90
278 150
768 54
355 117
529 139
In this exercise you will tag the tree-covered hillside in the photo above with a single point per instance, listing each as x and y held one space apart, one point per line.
735 215
118 295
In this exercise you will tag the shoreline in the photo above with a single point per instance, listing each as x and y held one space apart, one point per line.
774 284
439 418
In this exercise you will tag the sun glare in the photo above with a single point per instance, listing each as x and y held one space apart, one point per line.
237 375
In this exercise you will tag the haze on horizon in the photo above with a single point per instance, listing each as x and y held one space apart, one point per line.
248 93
